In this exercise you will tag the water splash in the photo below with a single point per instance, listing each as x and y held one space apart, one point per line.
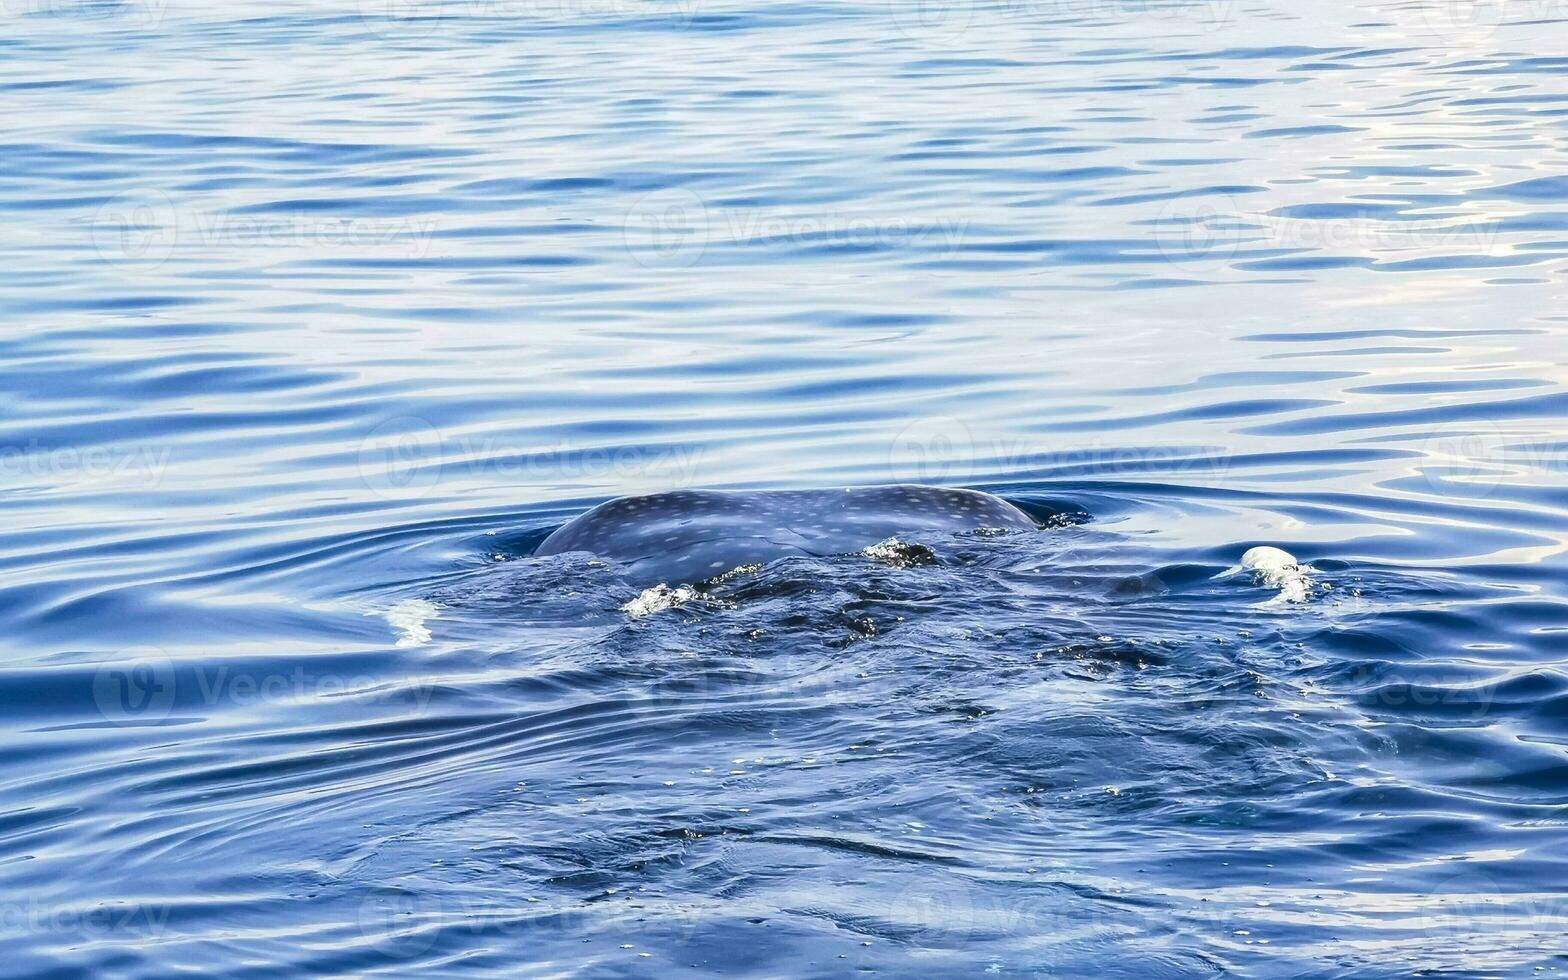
1277 569
408 618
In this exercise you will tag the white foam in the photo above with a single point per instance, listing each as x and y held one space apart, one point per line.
899 554
890 550
1278 569
658 599
408 619
733 573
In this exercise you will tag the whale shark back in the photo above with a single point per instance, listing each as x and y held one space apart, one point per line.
687 536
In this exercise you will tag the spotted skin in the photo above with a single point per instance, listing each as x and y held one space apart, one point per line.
687 536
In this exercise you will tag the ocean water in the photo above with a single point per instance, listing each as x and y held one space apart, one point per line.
318 317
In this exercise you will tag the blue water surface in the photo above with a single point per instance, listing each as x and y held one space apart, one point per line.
318 316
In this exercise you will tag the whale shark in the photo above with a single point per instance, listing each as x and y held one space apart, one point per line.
686 537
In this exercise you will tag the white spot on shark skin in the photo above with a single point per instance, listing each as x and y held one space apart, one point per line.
1278 569
408 619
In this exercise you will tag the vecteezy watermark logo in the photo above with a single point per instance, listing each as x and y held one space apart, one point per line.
933 450
1468 906
760 228
1205 14
416 18
402 18
693 681
401 457
407 456
401 923
1450 694
222 684
1206 232
140 14
932 20
1198 233
136 230
946 21
676 228
121 466
668 228
112 921
946 908
1465 458
139 230
941 449
1460 18
137 688
682 685
398 921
